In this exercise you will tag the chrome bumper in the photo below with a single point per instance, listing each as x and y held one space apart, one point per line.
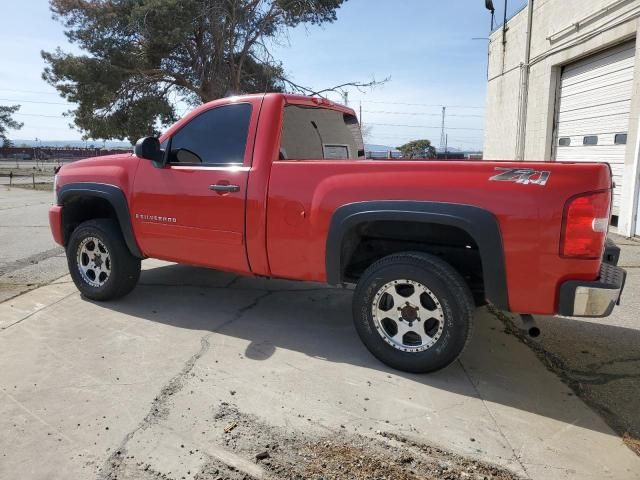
593 299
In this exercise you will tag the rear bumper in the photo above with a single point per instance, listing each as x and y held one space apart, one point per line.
611 253
55 223
593 299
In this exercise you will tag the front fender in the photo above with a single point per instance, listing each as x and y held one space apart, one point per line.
115 196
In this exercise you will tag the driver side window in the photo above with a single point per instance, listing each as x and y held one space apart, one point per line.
215 137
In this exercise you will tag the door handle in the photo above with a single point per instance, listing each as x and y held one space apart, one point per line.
224 188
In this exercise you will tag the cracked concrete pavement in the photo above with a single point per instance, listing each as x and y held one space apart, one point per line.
600 358
29 257
132 388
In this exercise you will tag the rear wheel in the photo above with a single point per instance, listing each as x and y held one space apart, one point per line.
413 311
101 265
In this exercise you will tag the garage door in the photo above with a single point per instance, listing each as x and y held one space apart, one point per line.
593 111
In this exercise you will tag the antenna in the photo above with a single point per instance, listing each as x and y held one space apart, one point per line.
489 6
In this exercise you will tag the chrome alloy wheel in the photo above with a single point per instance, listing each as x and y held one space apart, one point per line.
94 261
407 315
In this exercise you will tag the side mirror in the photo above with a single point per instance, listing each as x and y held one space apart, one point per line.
149 148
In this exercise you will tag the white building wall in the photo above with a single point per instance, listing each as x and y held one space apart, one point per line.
556 43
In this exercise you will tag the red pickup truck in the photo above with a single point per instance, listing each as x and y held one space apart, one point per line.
276 185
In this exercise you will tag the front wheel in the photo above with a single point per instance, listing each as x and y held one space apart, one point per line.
413 311
100 264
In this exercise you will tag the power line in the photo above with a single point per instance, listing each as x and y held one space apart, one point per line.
424 104
400 139
28 91
364 101
467 139
480 137
369 123
46 127
423 114
38 115
466 142
34 101
424 127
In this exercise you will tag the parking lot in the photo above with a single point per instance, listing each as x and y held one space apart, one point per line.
203 374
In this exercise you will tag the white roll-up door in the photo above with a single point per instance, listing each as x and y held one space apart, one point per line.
593 110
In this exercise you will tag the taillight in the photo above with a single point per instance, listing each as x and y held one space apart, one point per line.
585 225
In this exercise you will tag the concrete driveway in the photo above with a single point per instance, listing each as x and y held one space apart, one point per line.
600 358
29 257
144 387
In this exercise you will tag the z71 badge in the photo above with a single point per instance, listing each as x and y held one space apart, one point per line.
524 176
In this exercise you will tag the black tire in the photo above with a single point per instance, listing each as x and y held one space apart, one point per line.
453 301
124 268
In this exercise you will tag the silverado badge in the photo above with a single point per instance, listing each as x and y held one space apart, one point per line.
155 218
524 176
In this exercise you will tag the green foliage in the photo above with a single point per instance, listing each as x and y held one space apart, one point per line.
144 55
7 122
418 149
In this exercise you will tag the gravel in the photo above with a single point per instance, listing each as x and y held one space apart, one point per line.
301 455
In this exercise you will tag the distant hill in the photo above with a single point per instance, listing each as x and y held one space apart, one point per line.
374 147
116 144
449 149
111 144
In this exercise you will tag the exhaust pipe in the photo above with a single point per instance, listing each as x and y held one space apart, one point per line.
529 325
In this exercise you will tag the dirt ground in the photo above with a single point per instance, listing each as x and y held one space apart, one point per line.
285 454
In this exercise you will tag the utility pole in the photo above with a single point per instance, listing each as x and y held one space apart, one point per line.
443 139
446 145
361 127
345 98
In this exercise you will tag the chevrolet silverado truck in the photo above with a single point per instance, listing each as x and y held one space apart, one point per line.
276 185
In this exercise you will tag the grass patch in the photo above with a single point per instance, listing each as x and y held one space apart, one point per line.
25 172
44 186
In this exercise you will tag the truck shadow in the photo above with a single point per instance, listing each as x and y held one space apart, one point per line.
315 320
599 361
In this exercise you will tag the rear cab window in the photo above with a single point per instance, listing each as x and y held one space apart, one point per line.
316 133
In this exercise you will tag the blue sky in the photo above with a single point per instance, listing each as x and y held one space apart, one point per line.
425 46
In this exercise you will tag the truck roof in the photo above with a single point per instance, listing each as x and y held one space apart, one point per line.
288 98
